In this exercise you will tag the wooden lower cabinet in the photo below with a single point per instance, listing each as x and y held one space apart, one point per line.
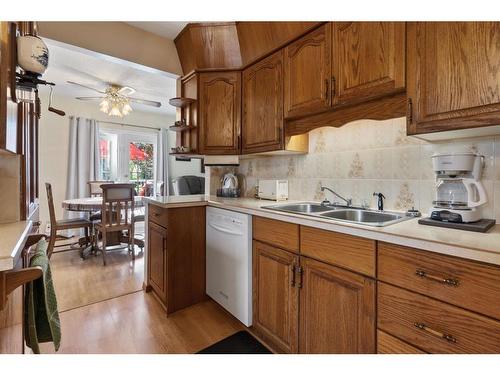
337 310
176 256
275 296
11 321
435 326
388 344
157 260
306 306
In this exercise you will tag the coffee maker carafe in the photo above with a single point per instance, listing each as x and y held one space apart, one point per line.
459 191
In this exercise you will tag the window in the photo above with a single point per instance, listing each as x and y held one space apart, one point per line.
128 156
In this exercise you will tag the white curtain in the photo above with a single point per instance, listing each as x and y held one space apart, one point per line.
162 160
83 161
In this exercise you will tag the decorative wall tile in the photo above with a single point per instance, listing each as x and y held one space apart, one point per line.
406 195
401 139
406 162
368 156
427 195
320 142
356 169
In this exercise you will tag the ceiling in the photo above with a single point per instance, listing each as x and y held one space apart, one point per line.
70 63
164 29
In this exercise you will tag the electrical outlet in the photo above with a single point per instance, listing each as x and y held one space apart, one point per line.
47 228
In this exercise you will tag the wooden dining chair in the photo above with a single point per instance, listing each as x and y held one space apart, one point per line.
95 187
65 224
117 214
96 191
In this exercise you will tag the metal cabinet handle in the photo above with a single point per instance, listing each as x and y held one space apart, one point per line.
326 89
333 87
292 270
155 214
433 332
441 280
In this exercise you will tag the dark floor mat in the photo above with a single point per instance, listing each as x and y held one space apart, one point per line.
240 343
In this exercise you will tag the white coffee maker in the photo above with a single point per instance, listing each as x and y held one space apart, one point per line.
459 191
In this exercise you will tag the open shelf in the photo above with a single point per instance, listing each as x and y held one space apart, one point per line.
181 102
190 154
183 128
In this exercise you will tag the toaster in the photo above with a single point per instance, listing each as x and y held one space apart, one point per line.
276 190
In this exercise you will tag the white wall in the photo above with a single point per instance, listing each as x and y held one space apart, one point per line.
53 144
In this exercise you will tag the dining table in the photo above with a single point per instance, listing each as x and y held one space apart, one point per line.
94 204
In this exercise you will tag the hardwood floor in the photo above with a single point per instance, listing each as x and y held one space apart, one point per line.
136 323
81 282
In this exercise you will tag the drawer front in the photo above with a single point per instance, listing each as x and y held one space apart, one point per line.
277 233
158 215
388 344
468 284
434 326
354 253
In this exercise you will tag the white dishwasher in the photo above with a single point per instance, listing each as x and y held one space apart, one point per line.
229 261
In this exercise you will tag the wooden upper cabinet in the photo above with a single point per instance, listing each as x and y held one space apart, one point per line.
262 117
275 296
308 73
337 310
220 112
453 75
368 60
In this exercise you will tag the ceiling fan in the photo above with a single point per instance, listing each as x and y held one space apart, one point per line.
115 100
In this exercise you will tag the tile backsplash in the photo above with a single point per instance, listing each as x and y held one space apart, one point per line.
368 156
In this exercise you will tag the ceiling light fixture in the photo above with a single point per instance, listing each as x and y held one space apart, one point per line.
114 103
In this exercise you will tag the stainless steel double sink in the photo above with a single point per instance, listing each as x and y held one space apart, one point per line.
342 213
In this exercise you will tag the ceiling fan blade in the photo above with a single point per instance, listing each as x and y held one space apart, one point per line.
87 87
90 97
146 102
126 90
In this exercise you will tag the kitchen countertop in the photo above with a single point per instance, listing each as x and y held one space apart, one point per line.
12 239
483 247
174 201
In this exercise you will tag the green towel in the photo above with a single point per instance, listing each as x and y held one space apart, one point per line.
41 315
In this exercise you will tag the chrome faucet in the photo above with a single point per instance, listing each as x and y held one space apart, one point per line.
326 201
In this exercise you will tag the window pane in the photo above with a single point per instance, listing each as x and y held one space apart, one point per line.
104 158
141 166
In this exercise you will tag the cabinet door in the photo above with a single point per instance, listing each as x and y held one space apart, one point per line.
368 60
337 310
307 73
220 112
262 123
453 75
11 321
157 259
275 296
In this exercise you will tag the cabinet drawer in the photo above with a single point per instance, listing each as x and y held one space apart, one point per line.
354 253
278 233
465 283
158 215
388 344
434 326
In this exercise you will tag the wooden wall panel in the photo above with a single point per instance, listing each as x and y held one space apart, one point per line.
208 45
257 39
